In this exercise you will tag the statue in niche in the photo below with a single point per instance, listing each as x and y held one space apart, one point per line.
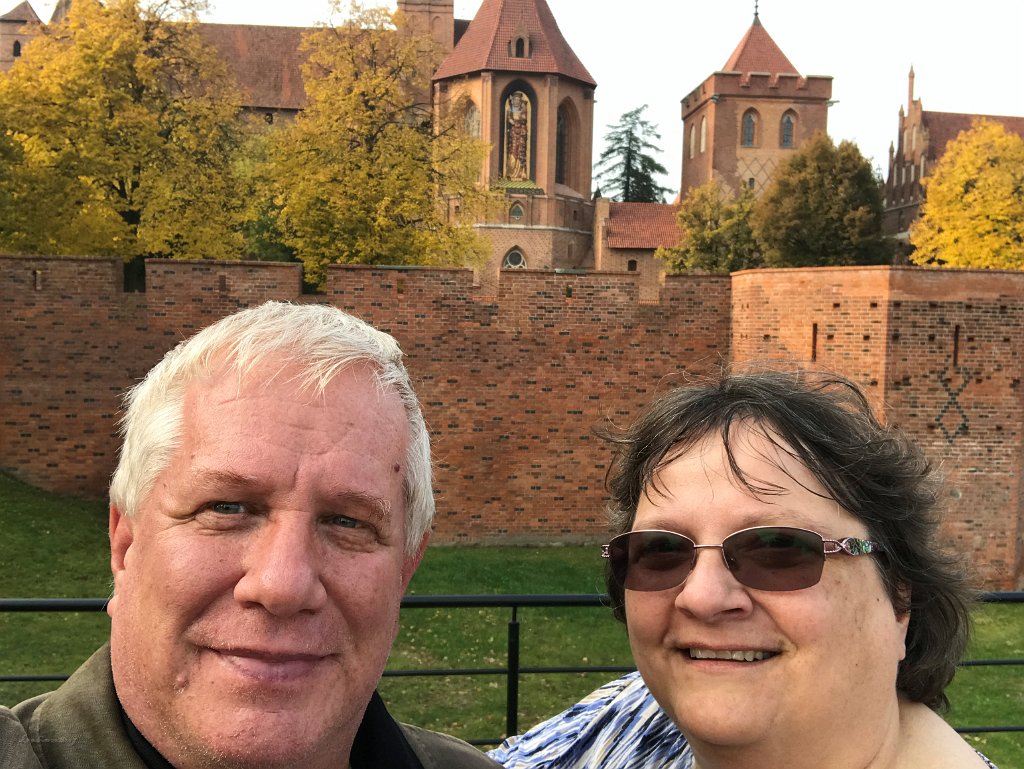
517 136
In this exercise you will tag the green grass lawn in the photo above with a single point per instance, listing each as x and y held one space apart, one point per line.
56 547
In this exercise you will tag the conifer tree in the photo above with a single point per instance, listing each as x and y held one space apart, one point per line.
627 166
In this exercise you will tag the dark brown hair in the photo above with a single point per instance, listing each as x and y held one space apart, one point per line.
873 471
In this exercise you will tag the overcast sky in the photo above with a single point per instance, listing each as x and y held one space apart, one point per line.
966 55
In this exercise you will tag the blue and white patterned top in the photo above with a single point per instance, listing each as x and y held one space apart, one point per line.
619 726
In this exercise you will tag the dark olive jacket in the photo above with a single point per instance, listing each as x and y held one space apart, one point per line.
78 726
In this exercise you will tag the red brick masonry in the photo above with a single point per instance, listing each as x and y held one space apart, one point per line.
513 384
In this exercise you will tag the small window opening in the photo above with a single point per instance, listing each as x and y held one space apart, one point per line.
514 260
520 48
516 212
631 265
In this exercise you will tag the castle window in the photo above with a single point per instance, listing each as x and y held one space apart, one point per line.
521 48
703 133
749 134
566 145
514 260
750 183
631 265
787 131
17 48
516 212
471 119
693 140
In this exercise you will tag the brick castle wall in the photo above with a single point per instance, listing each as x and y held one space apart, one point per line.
515 377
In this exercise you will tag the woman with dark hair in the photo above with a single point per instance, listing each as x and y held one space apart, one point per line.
788 605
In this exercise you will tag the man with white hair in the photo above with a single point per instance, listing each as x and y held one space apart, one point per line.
272 501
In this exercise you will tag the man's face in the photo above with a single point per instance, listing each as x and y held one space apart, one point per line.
257 589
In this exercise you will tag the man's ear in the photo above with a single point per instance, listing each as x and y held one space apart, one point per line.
122 534
412 562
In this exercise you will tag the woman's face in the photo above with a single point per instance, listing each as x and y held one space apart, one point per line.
830 651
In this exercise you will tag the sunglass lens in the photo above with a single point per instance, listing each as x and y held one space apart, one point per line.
775 558
651 560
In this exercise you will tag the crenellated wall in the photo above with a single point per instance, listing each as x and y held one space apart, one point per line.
514 378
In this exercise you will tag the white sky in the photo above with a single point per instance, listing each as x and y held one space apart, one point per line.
966 55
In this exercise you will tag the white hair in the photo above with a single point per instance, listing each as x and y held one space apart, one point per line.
319 340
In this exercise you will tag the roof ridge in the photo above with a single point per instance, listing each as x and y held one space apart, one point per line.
485 45
22 12
758 52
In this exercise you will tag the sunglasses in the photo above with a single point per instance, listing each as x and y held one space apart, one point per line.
773 558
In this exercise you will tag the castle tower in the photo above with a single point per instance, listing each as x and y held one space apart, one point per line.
15 33
437 16
519 86
743 121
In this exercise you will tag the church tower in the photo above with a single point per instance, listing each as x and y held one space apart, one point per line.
743 121
521 88
16 30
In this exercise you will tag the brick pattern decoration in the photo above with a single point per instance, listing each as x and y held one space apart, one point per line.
939 353
515 378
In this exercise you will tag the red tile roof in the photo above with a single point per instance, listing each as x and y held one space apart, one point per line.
943 127
757 52
22 12
485 45
266 62
642 225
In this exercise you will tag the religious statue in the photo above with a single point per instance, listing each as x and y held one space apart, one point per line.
517 136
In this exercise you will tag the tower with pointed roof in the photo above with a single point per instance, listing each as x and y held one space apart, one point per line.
16 30
920 144
520 87
743 121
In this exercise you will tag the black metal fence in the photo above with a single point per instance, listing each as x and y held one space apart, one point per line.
512 670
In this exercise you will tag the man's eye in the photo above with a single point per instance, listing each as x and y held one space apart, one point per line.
228 508
344 522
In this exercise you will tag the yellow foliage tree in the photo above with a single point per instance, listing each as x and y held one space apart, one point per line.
973 215
368 173
715 234
120 127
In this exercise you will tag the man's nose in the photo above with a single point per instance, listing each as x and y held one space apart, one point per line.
282 567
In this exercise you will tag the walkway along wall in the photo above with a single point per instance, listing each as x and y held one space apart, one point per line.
514 383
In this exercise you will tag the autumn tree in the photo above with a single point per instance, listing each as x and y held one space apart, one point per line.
627 166
823 208
368 173
120 130
715 233
973 215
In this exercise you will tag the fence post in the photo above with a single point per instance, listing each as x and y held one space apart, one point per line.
512 689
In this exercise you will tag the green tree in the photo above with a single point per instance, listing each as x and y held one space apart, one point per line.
368 173
973 215
823 208
627 166
715 232
121 127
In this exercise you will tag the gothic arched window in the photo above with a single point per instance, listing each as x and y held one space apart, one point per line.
703 133
749 131
787 131
17 49
514 260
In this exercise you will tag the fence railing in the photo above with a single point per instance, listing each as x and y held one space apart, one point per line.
512 670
